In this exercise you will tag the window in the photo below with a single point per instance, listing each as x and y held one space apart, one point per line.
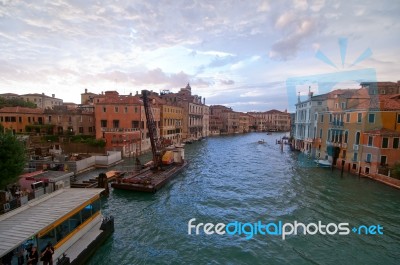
348 117
115 123
20 119
368 158
359 117
29 119
103 123
49 118
315 116
116 109
319 103
383 160
320 133
80 129
126 109
398 117
370 140
336 105
395 143
135 124
346 136
366 170
330 117
136 109
357 138
371 118
355 157
104 109
343 105
385 142
322 117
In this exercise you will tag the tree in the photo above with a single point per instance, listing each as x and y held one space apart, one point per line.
12 159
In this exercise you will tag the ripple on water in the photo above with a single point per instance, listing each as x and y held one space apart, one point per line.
233 178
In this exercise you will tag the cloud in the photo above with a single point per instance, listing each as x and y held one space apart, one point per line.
227 82
287 47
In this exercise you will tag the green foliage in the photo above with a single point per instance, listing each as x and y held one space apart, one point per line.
50 138
396 171
88 139
14 102
40 128
12 159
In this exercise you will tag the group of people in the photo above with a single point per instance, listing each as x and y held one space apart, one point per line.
32 257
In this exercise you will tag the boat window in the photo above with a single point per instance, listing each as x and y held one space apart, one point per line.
48 237
75 221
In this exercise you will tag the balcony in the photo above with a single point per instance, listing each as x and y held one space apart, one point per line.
120 129
355 147
336 123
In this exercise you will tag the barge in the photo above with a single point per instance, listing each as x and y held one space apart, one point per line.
149 180
166 163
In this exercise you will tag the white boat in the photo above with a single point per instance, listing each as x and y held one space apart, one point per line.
261 141
323 163
70 219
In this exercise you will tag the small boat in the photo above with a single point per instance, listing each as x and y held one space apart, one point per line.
261 141
188 142
269 133
323 163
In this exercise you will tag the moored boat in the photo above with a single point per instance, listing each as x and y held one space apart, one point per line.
323 163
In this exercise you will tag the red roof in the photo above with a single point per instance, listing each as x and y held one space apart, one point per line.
383 132
21 110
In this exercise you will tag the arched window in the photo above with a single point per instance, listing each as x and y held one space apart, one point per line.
357 138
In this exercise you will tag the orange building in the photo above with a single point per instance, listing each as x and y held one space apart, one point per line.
21 120
118 120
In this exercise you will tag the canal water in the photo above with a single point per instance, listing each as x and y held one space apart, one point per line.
234 178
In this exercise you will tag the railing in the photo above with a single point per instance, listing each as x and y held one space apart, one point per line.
337 123
120 129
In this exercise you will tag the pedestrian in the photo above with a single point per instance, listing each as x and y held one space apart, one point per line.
47 255
33 257
20 251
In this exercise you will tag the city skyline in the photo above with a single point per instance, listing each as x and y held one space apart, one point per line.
237 54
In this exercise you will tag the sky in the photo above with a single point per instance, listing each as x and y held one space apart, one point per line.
240 54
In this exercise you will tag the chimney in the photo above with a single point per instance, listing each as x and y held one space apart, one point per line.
43 94
130 94
204 101
53 95
137 93
85 90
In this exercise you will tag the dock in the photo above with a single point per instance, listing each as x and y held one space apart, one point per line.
94 182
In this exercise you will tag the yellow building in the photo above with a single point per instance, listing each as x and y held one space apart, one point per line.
171 123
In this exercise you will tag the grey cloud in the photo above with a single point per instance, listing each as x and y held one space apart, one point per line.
227 82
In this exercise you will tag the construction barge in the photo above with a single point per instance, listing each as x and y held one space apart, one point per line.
166 162
152 179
